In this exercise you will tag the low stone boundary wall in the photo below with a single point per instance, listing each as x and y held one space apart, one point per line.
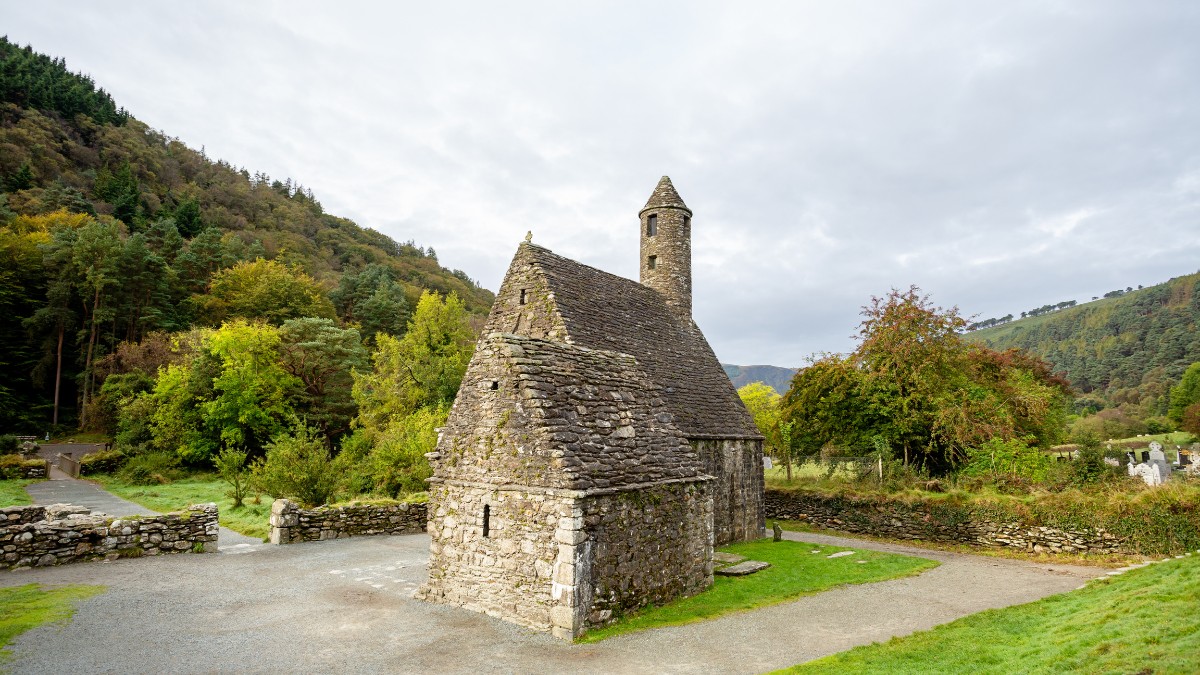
291 524
37 536
24 468
931 522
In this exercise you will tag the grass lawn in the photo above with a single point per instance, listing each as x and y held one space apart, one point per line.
30 606
797 569
1143 621
251 520
12 492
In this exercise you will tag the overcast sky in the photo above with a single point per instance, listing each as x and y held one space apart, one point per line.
1000 155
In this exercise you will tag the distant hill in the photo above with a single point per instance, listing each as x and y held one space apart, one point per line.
779 379
157 220
1120 350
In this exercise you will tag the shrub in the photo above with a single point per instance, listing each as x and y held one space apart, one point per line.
232 467
1012 460
297 466
9 445
106 461
16 466
154 468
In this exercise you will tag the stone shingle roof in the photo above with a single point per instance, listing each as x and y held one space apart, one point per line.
552 414
605 311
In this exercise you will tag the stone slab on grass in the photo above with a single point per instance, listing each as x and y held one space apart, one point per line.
743 568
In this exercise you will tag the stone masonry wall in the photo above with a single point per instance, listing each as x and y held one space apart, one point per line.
291 524
920 523
738 490
506 572
648 547
37 536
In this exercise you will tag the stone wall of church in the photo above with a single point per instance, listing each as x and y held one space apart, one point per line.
506 571
738 490
648 546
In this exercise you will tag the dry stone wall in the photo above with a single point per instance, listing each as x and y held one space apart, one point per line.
930 522
37 536
291 524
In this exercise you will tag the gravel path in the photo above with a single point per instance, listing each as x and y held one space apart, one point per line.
346 606
62 489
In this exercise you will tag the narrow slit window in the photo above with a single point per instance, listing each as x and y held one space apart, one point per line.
522 296
495 385
687 222
487 520
651 225
652 262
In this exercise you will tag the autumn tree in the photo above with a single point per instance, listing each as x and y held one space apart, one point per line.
266 290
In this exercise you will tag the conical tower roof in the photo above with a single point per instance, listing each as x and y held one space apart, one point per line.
664 195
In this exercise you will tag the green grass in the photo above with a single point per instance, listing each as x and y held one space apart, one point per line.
251 520
12 492
25 607
795 571
1143 621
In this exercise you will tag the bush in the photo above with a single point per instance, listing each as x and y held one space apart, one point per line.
1013 460
107 461
154 468
232 467
9 445
16 466
297 466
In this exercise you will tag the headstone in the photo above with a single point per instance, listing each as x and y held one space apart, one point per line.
840 554
1159 459
1185 458
767 462
777 530
1145 455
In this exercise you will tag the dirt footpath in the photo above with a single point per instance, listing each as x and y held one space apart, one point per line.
345 606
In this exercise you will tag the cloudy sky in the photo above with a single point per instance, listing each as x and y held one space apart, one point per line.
1000 155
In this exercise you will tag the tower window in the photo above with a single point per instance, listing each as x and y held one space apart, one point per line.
522 296
651 225
487 520
652 262
495 385
687 222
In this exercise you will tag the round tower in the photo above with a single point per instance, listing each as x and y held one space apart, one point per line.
666 264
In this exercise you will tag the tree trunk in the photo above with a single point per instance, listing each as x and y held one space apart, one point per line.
62 329
87 364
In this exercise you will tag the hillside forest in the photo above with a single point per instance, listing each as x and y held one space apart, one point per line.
1124 354
188 308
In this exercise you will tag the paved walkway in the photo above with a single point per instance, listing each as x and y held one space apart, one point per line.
62 489
346 606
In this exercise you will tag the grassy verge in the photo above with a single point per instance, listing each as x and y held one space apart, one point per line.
12 492
1144 621
1087 559
30 606
797 569
251 520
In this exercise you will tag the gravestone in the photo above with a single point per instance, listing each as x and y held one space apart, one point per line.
1159 459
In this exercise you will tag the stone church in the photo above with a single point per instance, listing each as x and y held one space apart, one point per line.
596 451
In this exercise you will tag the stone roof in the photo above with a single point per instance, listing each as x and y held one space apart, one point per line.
550 414
591 308
664 195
